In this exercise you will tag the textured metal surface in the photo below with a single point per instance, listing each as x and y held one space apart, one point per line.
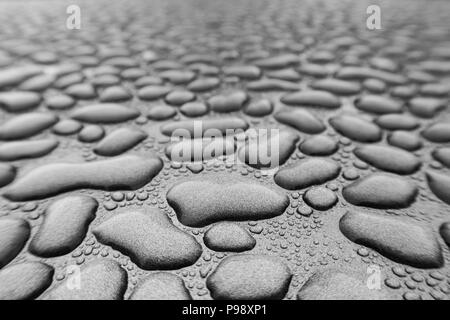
357 208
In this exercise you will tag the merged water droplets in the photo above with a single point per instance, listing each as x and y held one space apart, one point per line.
103 279
381 191
198 203
317 98
335 284
161 286
104 113
25 281
301 120
19 101
14 234
307 173
389 159
150 239
106 164
356 128
250 277
119 141
64 227
127 172
227 236
398 239
26 125
11 151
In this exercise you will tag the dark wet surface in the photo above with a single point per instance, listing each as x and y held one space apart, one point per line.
88 177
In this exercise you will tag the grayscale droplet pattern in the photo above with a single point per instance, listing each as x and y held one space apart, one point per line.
94 176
